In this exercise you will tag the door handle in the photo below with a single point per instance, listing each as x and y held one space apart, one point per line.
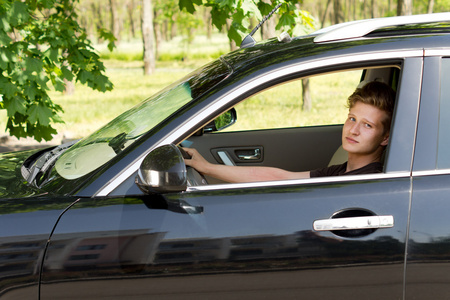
366 222
253 156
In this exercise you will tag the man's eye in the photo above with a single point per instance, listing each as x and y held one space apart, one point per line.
368 125
352 119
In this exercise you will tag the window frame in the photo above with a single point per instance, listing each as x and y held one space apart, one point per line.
260 80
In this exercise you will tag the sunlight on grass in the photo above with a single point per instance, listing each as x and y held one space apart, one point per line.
87 110
201 48
282 106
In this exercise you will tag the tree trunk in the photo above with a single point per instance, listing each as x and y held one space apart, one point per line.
324 17
130 10
337 12
148 37
430 6
158 32
268 28
208 23
307 102
98 18
373 9
233 45
115 24
354 5
173 28
364 10
404 7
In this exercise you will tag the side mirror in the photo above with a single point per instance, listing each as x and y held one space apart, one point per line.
223 121
162 171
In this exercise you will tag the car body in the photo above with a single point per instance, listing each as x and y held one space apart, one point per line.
118 215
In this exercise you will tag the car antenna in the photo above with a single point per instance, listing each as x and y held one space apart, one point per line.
249 41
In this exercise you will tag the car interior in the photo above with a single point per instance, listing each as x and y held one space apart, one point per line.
273 128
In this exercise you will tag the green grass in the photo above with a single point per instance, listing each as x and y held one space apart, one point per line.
176 49
282 106
87 110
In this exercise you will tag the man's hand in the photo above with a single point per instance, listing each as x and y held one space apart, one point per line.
197 161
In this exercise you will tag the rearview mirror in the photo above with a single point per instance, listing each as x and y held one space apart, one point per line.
223 121
162 171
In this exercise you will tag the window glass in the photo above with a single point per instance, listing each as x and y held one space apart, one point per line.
443 160
283 106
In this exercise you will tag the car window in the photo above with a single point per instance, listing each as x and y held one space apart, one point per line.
443 160
283 106
104 144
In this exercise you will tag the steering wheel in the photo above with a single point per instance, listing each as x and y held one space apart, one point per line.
194 178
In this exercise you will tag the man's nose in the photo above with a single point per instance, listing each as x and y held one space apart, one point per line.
355 128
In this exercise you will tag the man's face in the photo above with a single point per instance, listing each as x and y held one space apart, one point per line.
363 131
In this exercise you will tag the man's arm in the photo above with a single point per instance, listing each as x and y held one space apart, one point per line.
239 173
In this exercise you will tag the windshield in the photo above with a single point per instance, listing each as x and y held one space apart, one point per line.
101 146
98 148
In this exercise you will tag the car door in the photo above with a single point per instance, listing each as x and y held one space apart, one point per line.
287 239
26 225
429 236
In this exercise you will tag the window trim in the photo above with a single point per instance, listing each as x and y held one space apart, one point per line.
307 181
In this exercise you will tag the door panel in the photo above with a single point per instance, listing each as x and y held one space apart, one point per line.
247 243
295 149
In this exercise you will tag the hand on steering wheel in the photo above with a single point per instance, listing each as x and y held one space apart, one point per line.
194 178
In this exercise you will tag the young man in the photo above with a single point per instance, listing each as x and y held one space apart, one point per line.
364 136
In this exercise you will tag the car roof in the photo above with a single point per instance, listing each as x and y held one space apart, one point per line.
361 28
383 34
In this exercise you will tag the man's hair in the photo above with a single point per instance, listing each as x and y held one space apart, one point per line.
378 94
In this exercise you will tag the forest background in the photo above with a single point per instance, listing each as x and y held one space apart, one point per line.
183 41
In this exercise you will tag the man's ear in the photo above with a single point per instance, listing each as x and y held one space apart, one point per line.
385 140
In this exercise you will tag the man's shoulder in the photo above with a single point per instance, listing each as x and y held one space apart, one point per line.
338 170
334 170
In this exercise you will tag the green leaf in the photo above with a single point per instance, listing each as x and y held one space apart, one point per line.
18 13
66 73
188 5
25 68
52 53
5 57
235 33
264 8
4 24
219 17
38 113
84 76
17 131
108 36
8 89
230 4
43 132
285 20
250 9
47 4
4 38
15 105
33 65
59 85
31 91
102 83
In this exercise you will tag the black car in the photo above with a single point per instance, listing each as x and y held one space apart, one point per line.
118 215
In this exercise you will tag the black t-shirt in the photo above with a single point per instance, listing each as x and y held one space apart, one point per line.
338 170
